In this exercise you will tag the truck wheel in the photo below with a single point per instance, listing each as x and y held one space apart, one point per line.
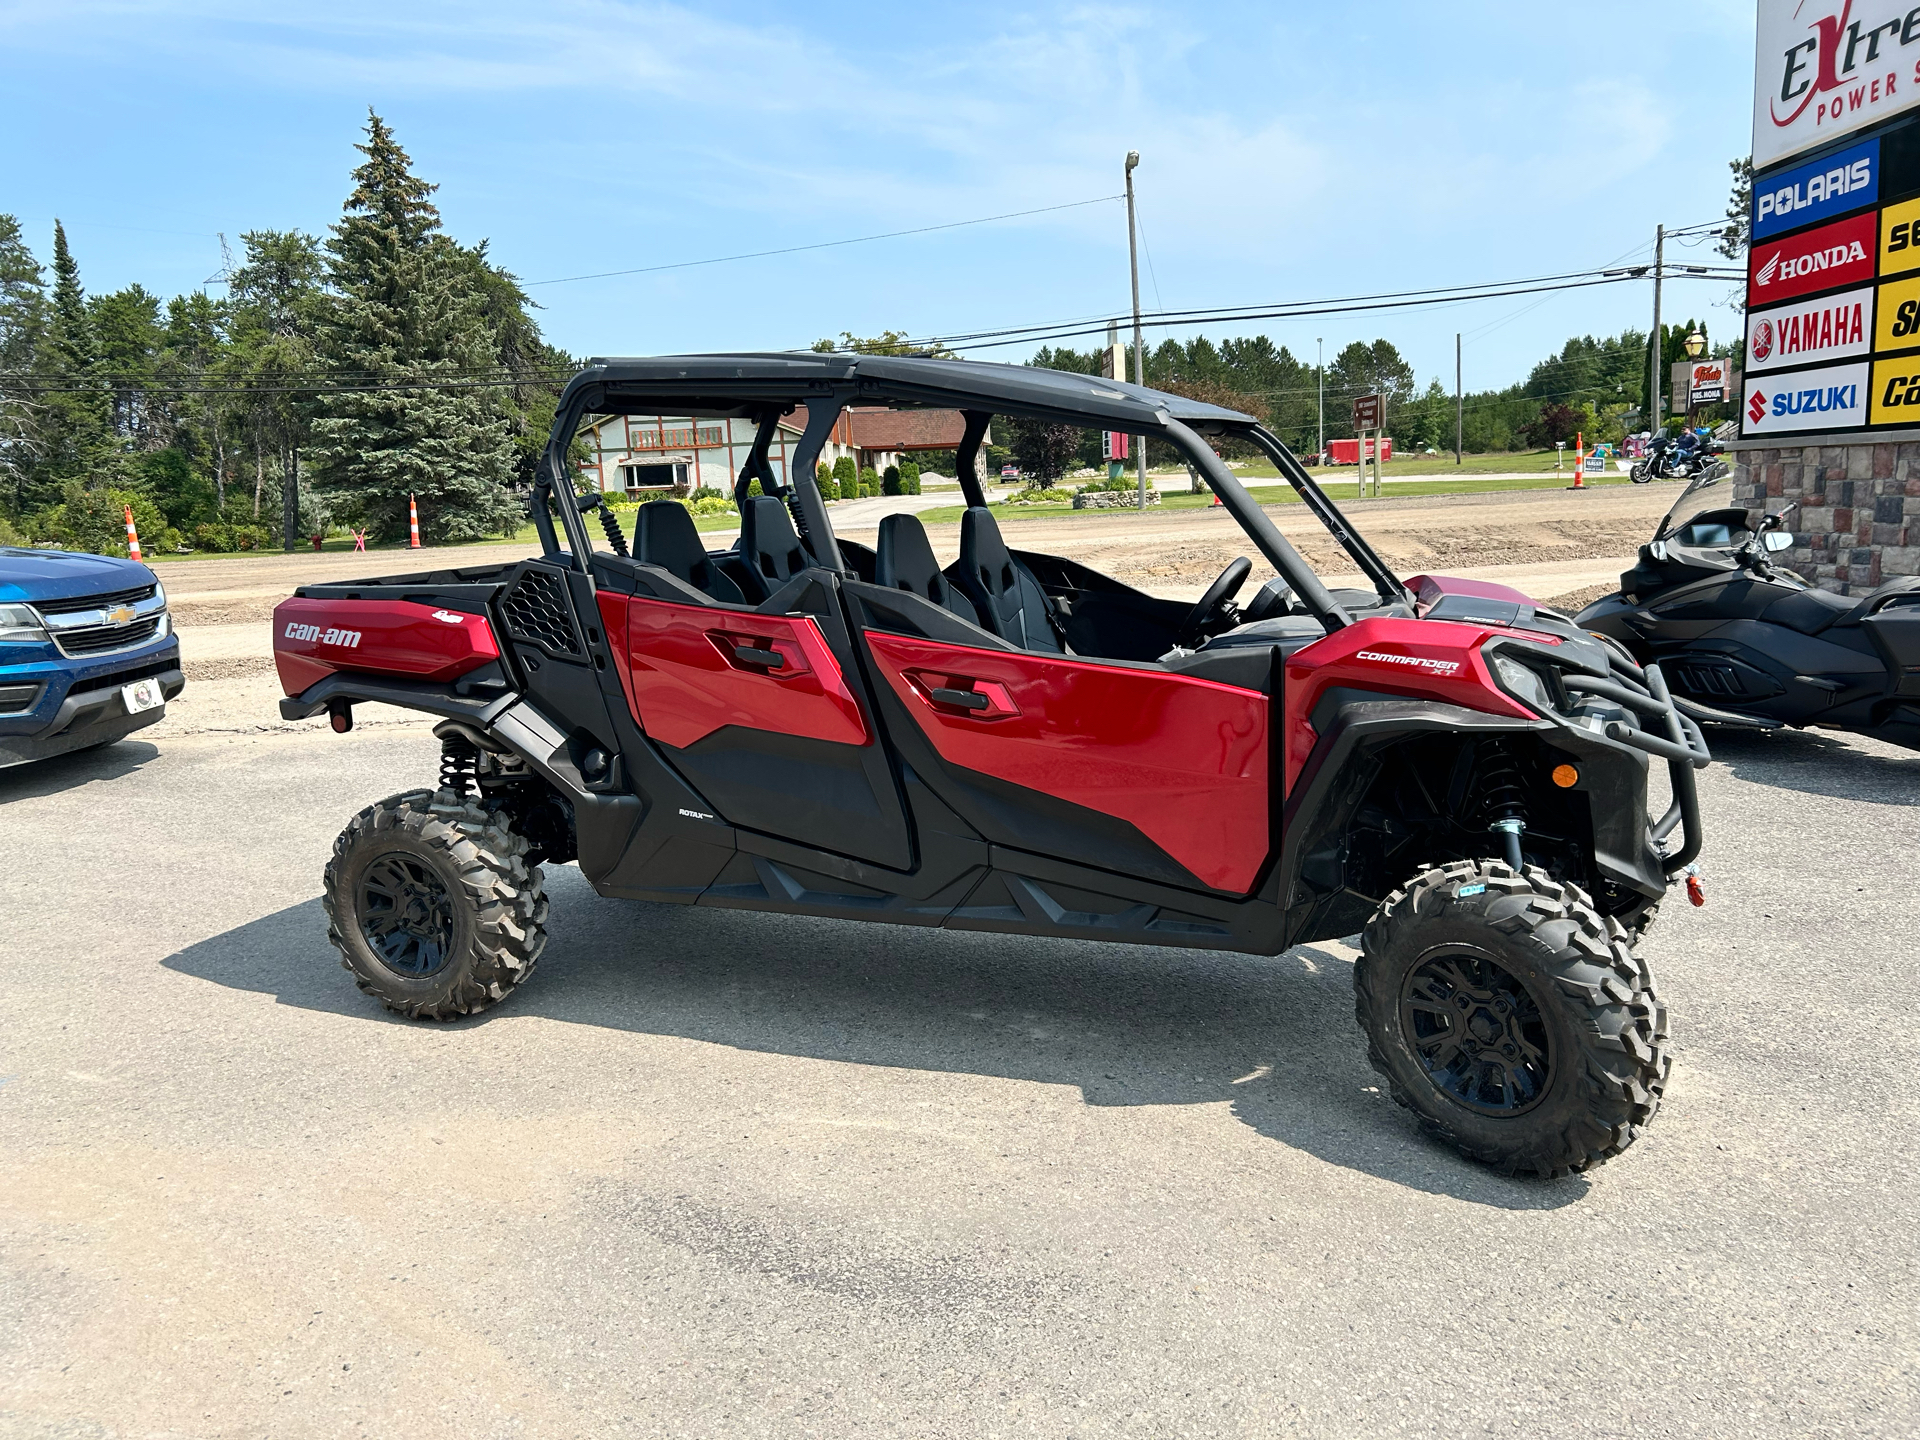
1511 1018
432 905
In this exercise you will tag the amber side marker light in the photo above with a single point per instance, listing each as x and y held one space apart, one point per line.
1565 776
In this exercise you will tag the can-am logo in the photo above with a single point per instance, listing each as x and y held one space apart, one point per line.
1418 662
347 639
1832 255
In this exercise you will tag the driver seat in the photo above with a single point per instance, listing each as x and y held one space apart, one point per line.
903 560
1010 601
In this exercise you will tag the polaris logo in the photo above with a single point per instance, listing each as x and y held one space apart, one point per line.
345 639
1418 662
1829 185
1817 190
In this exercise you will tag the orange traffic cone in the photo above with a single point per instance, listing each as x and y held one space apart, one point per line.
1579 461
133 535
413 519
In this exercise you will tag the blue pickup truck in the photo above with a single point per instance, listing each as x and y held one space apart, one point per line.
87 652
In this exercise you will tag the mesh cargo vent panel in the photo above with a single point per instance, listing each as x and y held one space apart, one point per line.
536 610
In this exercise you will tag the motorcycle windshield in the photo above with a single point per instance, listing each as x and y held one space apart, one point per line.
1708 492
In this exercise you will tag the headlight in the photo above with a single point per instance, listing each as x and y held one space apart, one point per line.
20 626
1523 682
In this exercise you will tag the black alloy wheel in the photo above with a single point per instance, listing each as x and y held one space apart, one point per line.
406 915
1478 1033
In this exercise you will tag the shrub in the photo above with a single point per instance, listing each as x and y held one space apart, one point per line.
823 477
711 504
222 536
869 482
96 521
707 492
909 478
845 478
890 481
753 489
1049 496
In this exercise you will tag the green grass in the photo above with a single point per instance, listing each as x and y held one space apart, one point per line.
1342 495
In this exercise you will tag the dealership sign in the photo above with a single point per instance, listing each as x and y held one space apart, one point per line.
1823 259
1818 190
1826 68
1834 327
1833 398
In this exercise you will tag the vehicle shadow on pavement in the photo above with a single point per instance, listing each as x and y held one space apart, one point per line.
1273 1038
1820 764
40 778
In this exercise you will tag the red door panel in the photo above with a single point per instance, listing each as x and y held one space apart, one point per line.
689 670
1182 760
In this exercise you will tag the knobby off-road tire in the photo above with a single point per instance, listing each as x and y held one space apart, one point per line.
432 905
1517 962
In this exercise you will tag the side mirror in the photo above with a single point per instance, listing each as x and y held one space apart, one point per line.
1658 549
1777 540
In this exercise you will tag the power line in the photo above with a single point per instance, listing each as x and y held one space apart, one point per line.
824 244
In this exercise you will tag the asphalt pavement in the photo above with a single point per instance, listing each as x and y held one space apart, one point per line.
719 1174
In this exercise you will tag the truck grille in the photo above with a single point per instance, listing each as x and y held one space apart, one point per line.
94 639
103 624
94 602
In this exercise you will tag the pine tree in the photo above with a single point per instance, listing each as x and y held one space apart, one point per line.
23 318
75 444
405 311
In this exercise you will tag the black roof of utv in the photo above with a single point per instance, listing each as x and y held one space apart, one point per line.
744 384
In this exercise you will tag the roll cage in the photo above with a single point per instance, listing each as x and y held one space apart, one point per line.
764 387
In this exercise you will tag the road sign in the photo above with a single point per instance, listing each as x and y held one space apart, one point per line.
1594 464
1366 412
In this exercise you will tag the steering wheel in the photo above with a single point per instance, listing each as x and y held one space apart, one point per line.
1219 593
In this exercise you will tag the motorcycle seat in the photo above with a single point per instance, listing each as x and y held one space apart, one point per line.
1812 611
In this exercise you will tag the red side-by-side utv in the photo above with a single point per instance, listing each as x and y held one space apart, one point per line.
1017 743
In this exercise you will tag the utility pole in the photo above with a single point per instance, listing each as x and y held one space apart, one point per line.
1659 350
1139 359
1459 404
1320 371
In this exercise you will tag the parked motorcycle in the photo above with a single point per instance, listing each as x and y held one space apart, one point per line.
1685 456
1744 641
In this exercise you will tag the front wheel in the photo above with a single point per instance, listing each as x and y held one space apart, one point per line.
1511 1018
432 905
1639 474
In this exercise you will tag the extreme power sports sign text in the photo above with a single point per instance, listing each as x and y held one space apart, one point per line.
1825 68
1822 259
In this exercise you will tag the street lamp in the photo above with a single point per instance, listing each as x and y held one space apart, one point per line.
1695 343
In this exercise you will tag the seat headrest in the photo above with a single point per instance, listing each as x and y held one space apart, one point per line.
984 553
664 534
903 558
772 550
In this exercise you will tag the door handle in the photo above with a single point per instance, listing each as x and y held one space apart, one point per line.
754 655
779 659
978 699
965 699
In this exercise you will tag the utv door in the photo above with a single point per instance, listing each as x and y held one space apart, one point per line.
1130 768
765 714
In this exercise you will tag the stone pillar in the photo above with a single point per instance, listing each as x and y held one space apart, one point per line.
1859 516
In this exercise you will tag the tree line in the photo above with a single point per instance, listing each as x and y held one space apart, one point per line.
333 379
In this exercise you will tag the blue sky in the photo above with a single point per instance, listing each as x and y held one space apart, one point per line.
1290 151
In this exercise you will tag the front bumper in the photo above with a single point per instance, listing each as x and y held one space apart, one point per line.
79 705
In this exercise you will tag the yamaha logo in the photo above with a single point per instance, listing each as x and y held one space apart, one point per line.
1761 345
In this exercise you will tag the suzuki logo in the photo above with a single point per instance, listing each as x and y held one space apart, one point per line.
1757 407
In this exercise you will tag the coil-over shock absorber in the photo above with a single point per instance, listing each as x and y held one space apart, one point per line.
459 764
1503 797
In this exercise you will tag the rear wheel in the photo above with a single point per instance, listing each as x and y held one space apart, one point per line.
1511 1018
432 905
